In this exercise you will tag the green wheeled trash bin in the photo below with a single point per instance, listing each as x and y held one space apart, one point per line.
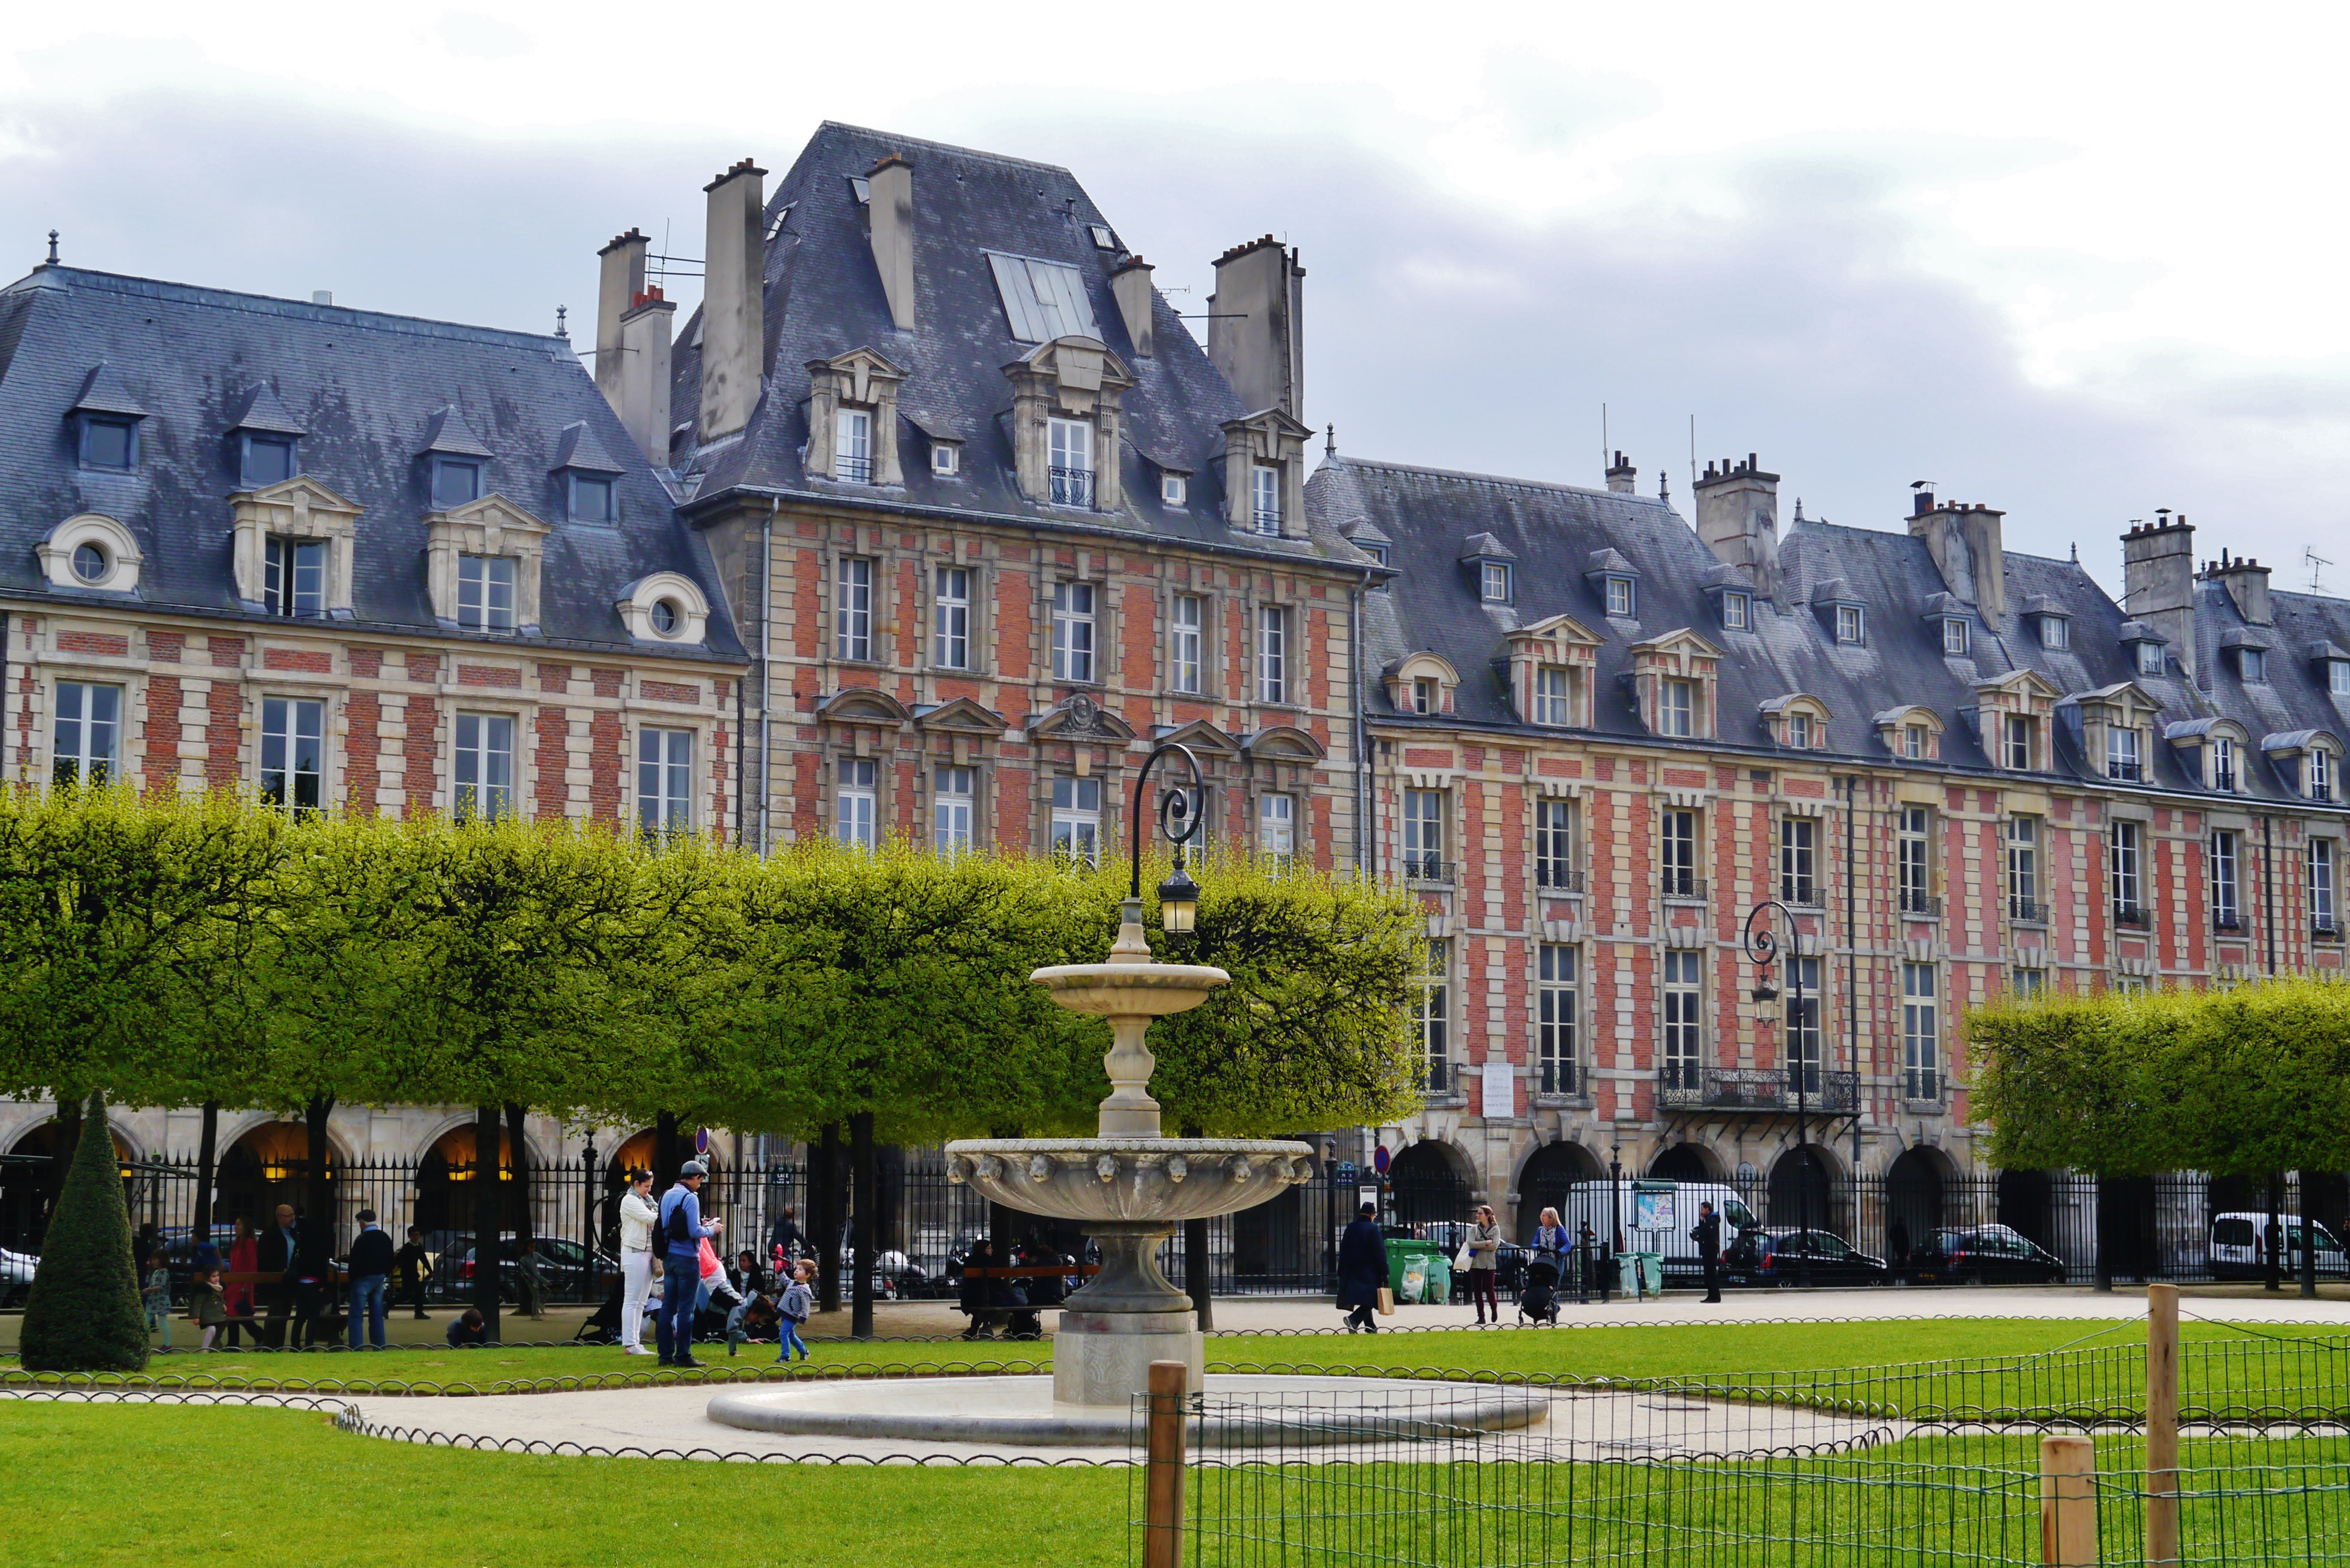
1401 1252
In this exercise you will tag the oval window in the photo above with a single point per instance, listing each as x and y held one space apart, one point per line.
90 562
665 617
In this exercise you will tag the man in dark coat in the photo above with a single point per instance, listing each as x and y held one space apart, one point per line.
274 1256
1707 1234
980 1295
1362 1269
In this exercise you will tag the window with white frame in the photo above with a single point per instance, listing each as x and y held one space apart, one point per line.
1684 997
853 802
1851 624
1734 611
952 794
1558 1017
1799 732
486 593
852 632
2337 677
2122 756
294 576
1552 702
664 781
1272 654
2223 763
1619 596
1276 825
1070 458
2123 848
2150 658
852 446
2023 869
2055 631
1954 639
1554 845
2227 914
1493 582
1678 848
85 741
1434 1016
946 459
1677 707
1913 742
1803 1016
2321 888
483 775
950 618
1423 834
2016 749
1798 860
2321 774
2030 984
1264 497
1915 851
1921 1039
1171 489
1426 697
1073 631
1186 623
293 753
1076 820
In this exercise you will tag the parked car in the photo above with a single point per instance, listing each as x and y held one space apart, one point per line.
562 1262
1655 1214
2240 1248
1784 1255
16 1276
1984 1255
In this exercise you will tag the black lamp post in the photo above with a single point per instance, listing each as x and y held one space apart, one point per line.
1179 896
1762 948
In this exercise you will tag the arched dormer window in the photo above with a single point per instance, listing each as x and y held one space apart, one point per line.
2212 750
2309 761
1422 684
1797 720
1912 732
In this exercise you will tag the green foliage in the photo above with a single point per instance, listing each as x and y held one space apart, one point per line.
84 1314
2241 1082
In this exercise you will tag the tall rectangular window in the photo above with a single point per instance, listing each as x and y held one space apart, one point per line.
1913 742
2055 631
1798 860
2337 677
1435 1057
2122 846
1423 834
485 765
2017 749
2226 913
1620 596
1799 732
1677 707
853 802
951 618
2321 774
1551 696
1554 845
1272 654
2223 763
1071 461
1073 631
664 781
293 752
1264 497
1558 1015
2122 755
1426 697
295 578
1677 855
1851 624
2150 658
485 592
1684 1019
2031 984
2322 889
951 809
1076 820
2023 869
1276 825
1802 1005
1954 639
1915 851
852 632
86 745
852 446
1921 1040
1187 632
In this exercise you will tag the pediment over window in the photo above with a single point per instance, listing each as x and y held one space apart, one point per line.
1082 370
862 705
1200 736
1282 743
295 508
860 380
492 526
2021 687
1562 634
1681 646
2126 702
962 715
1081 719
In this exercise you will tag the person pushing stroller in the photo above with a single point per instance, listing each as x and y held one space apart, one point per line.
1538 1301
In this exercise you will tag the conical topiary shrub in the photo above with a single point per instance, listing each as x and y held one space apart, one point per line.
84 1313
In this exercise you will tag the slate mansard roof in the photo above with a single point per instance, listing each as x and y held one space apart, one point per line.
367 394
824 297
1556 531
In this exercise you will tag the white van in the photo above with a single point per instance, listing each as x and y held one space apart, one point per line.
2239 1252
1653 1216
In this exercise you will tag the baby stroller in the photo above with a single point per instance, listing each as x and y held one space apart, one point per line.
1538 1298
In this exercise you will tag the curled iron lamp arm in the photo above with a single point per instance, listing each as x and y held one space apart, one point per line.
1180 824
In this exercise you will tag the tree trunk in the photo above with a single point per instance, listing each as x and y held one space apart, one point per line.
863 1196
666 1158
318 1193
487 1219
520 1158
207 1153
825 1214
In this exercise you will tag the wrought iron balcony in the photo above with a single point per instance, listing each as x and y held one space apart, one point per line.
2324 928
2224 780
1768 1090
1925 906
1072 486
1268 519
852 470
1435 1075
2130 914
1419 868
2128 770
2225 919
1557 879
1922 1083
2027 912
2321 791
1681 885
1555 1078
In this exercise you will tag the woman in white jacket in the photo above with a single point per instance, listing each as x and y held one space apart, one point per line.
637 1213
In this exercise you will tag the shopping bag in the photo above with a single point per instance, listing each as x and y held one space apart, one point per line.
1387 1301
1464 1260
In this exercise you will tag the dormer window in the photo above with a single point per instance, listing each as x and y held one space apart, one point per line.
1619 596
1955 641
2223 764
2319 771
1493 583
455 481
2150 658
295 576
2337 677
264 460
2122 755
1736 611
1676 706
1553 701
1265 498
109 444
2253 664
486 593
1425 697
946 459
1913 742
2015 742
1070 462
1375 552
592 498
852 446
1172 491
1851 624
1799 732
2055 631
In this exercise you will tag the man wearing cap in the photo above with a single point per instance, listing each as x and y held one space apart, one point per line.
681 1232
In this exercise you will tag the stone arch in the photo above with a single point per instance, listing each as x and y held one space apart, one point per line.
30 1182
266 1164
1917 1183
1687 1160
1547 1174
1802 1190
1431 1182
444 1173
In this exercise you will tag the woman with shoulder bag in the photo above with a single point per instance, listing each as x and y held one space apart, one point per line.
1480 1254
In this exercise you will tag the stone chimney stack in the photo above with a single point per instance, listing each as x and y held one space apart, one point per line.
1738 518
1964 541
1623 479
1256 326
2159 582
2247 582
733 314
890 211
1130 287
644 405
621 279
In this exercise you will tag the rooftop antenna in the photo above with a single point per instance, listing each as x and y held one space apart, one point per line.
1604 458
1692 451
2314 562
53 247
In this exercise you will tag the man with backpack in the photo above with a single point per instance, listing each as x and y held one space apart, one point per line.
681 1232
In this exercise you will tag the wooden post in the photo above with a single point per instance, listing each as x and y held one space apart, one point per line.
1162 1531
2161 1425
2068 1502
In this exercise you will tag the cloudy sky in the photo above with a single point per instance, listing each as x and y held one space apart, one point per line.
2076 262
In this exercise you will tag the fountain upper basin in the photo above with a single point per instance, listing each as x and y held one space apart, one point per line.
1129 1179
1130 990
